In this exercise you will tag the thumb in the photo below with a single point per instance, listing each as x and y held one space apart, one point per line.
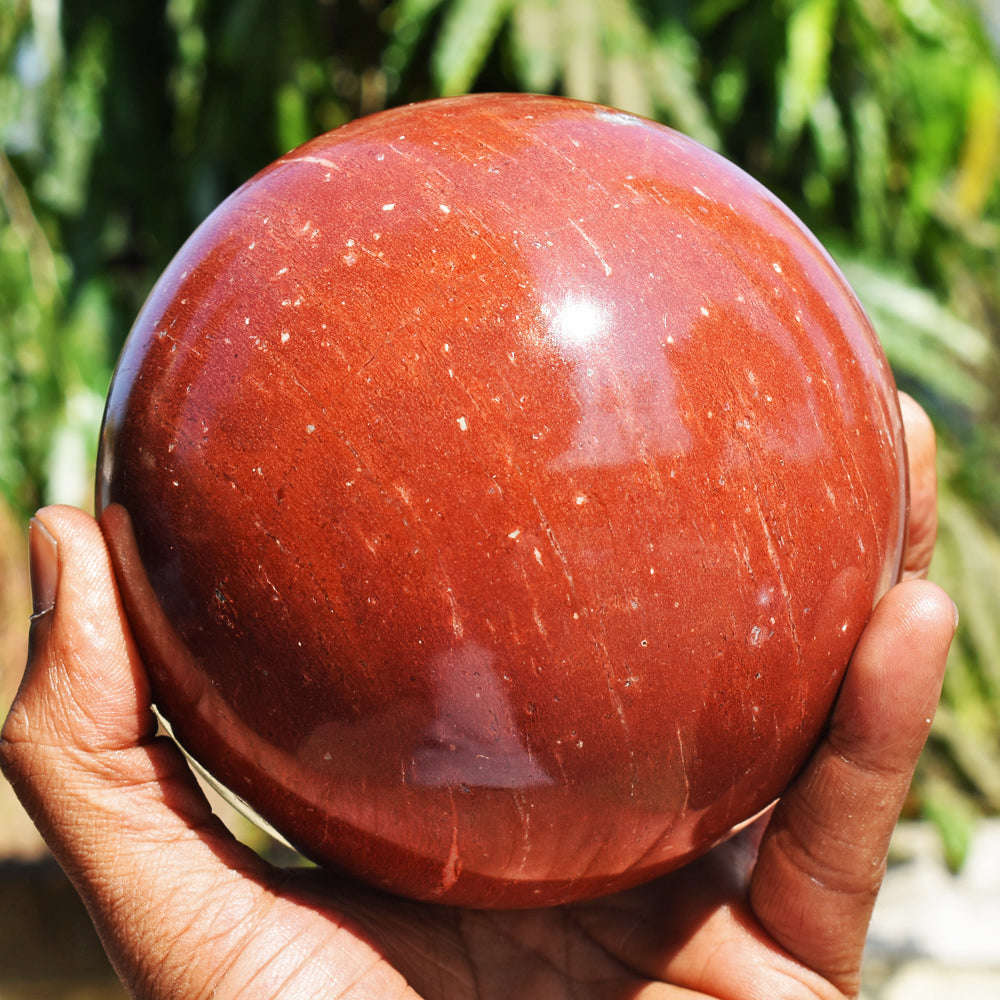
83 688
824 852
80 750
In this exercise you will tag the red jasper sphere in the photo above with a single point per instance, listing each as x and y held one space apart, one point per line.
497 488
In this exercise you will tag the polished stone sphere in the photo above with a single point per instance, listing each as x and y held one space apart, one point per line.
497 488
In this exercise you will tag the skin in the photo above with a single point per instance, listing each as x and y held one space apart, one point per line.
184 910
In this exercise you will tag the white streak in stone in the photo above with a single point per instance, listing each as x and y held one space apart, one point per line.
684 771
593 246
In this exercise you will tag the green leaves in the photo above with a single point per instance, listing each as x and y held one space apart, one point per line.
603 50
53 345
803 78
466 35
949 363
535 44
979 167
960 774
926 342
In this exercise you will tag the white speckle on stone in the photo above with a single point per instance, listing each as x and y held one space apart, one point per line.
463 424
538 557
388 206
843 628
252 245
285 336
310 428
246 320
445 208
515 534
281 271
777 267
581 500
306 227
703 311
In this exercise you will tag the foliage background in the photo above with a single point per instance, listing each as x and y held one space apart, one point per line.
878 121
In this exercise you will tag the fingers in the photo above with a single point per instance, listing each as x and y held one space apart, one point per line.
66 705
117 806
822 859
921 452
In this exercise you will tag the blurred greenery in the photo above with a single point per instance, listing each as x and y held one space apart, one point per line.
878 121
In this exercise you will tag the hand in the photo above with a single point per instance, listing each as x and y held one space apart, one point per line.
780 911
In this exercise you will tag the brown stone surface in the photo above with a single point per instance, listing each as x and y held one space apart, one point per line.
498 488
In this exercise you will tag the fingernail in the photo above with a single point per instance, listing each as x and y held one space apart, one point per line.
955 608
44 568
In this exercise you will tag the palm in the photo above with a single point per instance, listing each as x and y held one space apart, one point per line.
689 934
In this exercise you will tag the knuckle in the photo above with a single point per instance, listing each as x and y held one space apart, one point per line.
838 864
15 742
